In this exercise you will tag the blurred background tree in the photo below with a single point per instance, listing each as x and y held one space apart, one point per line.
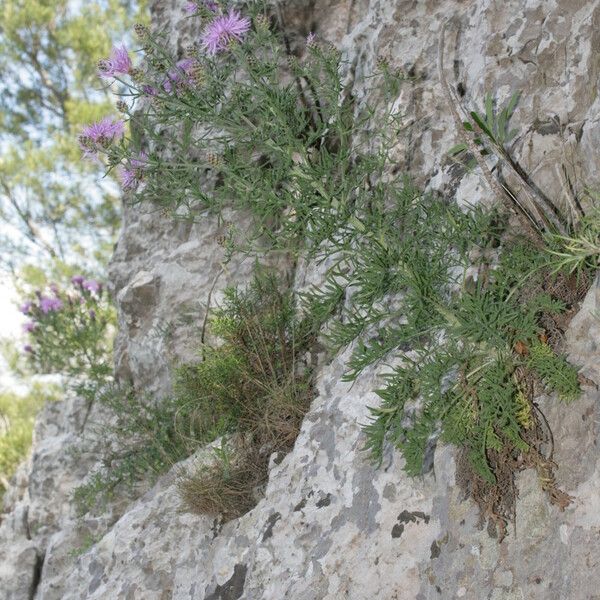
58 215
55 209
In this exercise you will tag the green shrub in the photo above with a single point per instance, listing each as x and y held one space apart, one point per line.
457 301
252 388
70 333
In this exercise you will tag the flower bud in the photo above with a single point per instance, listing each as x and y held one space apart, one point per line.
141 31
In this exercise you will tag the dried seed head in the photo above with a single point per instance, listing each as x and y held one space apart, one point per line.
214 160
293 63
122 106
191 50
261 22
197 74
141 31
383 62
137 75
104 65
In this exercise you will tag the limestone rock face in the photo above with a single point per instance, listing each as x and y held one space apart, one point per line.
330 525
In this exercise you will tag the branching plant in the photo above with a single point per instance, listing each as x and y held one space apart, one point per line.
459 304
251 391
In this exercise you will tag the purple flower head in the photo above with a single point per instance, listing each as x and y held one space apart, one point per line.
54 289
149 90
92 314
26 307
28 348
50 304
191 8
77 279
119 63
133 173
93 286
102 134
224 29
29 326
310 39
180 75
129 180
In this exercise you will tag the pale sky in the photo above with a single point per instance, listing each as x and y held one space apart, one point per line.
10 326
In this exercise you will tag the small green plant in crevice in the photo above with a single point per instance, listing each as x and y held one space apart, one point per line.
451 307
252 391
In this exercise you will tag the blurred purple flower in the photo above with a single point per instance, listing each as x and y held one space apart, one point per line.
93 286
28 348
133 173
119 63
77 279
92 314
179 75
50 304
26 307
102 134
129 180
310 39
222 30
191 8
29 326
149 90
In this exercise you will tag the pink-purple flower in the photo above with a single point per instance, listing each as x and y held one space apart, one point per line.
93 286
310 39
224 29
119 63
100 134
50 304
26 307
77 279
149 90
29 326
191 8
28 348
133 173
180 75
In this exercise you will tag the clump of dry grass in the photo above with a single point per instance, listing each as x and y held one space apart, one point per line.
253 390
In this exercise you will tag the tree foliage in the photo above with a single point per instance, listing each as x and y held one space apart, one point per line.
53 206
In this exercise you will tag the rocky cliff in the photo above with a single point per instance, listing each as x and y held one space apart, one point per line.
331 525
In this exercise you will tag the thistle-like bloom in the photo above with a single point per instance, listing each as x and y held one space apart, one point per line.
93 286
100 134
310 39
133 173
191 8
77 279
220 32
149 90
50 304
26 307
180 75
119 63
29 326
